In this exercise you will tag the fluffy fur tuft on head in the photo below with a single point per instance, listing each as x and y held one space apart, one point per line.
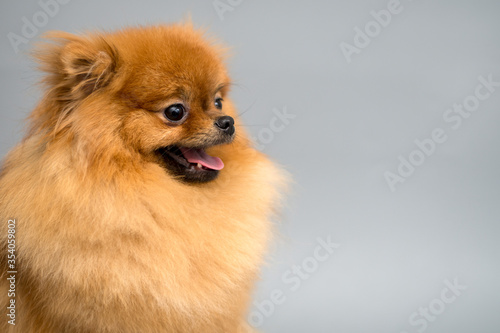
112 233
76 66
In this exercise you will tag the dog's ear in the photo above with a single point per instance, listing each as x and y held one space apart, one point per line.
89 65
77 66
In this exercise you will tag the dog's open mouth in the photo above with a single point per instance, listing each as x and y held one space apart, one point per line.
192 165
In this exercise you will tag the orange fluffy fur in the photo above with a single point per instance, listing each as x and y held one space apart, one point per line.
106 239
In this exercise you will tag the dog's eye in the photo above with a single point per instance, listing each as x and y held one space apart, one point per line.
218 103
174 112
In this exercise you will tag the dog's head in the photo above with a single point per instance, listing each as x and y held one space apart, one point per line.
160 92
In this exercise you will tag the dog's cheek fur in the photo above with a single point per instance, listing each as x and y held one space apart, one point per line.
145 132
106 240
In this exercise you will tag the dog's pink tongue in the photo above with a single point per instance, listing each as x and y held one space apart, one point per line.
193 155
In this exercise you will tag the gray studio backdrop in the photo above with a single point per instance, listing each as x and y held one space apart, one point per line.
387 115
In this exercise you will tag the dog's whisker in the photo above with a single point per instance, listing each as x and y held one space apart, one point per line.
248 108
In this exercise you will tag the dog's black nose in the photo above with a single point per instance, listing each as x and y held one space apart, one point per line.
225 124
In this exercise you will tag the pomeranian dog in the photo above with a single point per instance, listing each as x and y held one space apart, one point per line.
136 202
